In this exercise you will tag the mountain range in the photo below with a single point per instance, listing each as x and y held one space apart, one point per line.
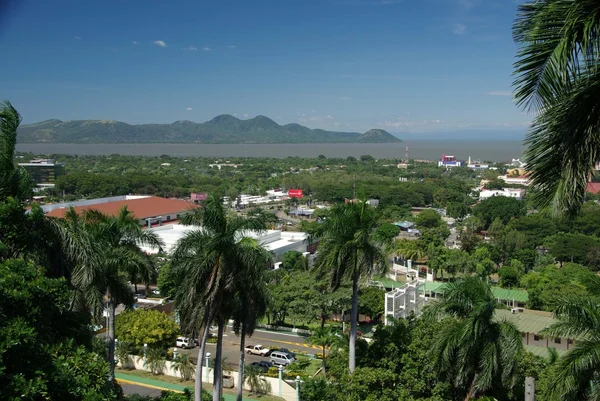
221 129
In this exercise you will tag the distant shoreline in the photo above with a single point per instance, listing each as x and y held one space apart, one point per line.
493 150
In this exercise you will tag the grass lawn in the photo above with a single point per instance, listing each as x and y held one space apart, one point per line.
315 364
175 380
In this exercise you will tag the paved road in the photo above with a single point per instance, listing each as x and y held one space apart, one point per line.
129 389
231 345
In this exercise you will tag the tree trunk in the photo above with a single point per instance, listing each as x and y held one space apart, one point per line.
354 319
324 357
199 363
217 384
110 310
135 286
240 387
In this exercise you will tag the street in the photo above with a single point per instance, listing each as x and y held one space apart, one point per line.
231 345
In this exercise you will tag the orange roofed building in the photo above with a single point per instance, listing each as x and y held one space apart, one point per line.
149 210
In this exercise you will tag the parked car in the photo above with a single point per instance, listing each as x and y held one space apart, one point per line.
281 358
287 351
185 342
262 365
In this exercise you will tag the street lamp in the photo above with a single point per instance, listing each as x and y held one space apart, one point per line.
280 369
297 388
116 345
207 358
145 352
175 353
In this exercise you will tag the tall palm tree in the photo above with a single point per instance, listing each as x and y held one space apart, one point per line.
205 262
577 372
350 249
251 297
558 78
478 354
324 337
103 249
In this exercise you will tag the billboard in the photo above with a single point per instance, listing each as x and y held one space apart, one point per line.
295 193
198 196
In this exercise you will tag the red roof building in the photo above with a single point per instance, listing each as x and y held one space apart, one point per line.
593 187
148 210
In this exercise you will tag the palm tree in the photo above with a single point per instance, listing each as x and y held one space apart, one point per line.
577 371
349 249
251 296
103 248
183 364
324 337
258 385
477 353
206 262
409 249
557 77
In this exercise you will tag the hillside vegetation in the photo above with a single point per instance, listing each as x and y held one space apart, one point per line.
221 129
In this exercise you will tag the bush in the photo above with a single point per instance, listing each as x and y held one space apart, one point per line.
150 327
155 361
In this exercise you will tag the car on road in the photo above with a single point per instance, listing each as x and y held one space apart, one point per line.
287 351
281 358
257 350
264 366
185 342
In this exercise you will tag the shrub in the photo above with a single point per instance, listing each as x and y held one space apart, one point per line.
150 327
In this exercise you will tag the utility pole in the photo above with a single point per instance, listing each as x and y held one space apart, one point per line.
529 389
406 155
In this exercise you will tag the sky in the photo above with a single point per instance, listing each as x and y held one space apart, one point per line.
420 66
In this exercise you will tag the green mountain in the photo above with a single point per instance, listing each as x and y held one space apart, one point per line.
221 129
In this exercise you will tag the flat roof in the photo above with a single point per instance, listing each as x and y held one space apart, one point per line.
518 295
141 208
528 321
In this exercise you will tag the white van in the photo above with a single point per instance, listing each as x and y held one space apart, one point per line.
184 342
281 358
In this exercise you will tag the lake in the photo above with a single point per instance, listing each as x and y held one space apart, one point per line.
424 149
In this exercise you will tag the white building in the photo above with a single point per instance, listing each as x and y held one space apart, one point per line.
518 180
278 242
516 193
401 302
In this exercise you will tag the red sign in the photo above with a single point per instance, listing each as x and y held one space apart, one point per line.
198 196
295 193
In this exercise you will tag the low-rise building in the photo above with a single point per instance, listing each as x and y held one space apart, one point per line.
516 193
515 179
449 161
149 210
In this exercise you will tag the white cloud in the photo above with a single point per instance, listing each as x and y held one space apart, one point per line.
160 43
188 109
135 43
345 98
329 117
466 4
246 115
232 47
459 29
207 49
191 49
500 93
301 115
77 37
314 111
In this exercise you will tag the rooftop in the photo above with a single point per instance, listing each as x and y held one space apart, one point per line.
501 293
141 207
529 321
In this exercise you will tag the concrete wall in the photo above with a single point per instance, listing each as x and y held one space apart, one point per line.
538 340
288 392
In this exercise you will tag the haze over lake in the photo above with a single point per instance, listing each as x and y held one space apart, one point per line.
418 149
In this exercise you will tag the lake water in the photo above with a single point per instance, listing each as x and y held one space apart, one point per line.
431 150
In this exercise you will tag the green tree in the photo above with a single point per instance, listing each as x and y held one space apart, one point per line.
499 207
258 385
571 247
103 248
371 302
166 282
324 337
428 218
576 373
557 79
184 365
479 355
154 359
14 181
457 210
349 249
294 260
205 262
511 274
144 326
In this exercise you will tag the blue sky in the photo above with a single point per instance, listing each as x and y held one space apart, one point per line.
404 66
